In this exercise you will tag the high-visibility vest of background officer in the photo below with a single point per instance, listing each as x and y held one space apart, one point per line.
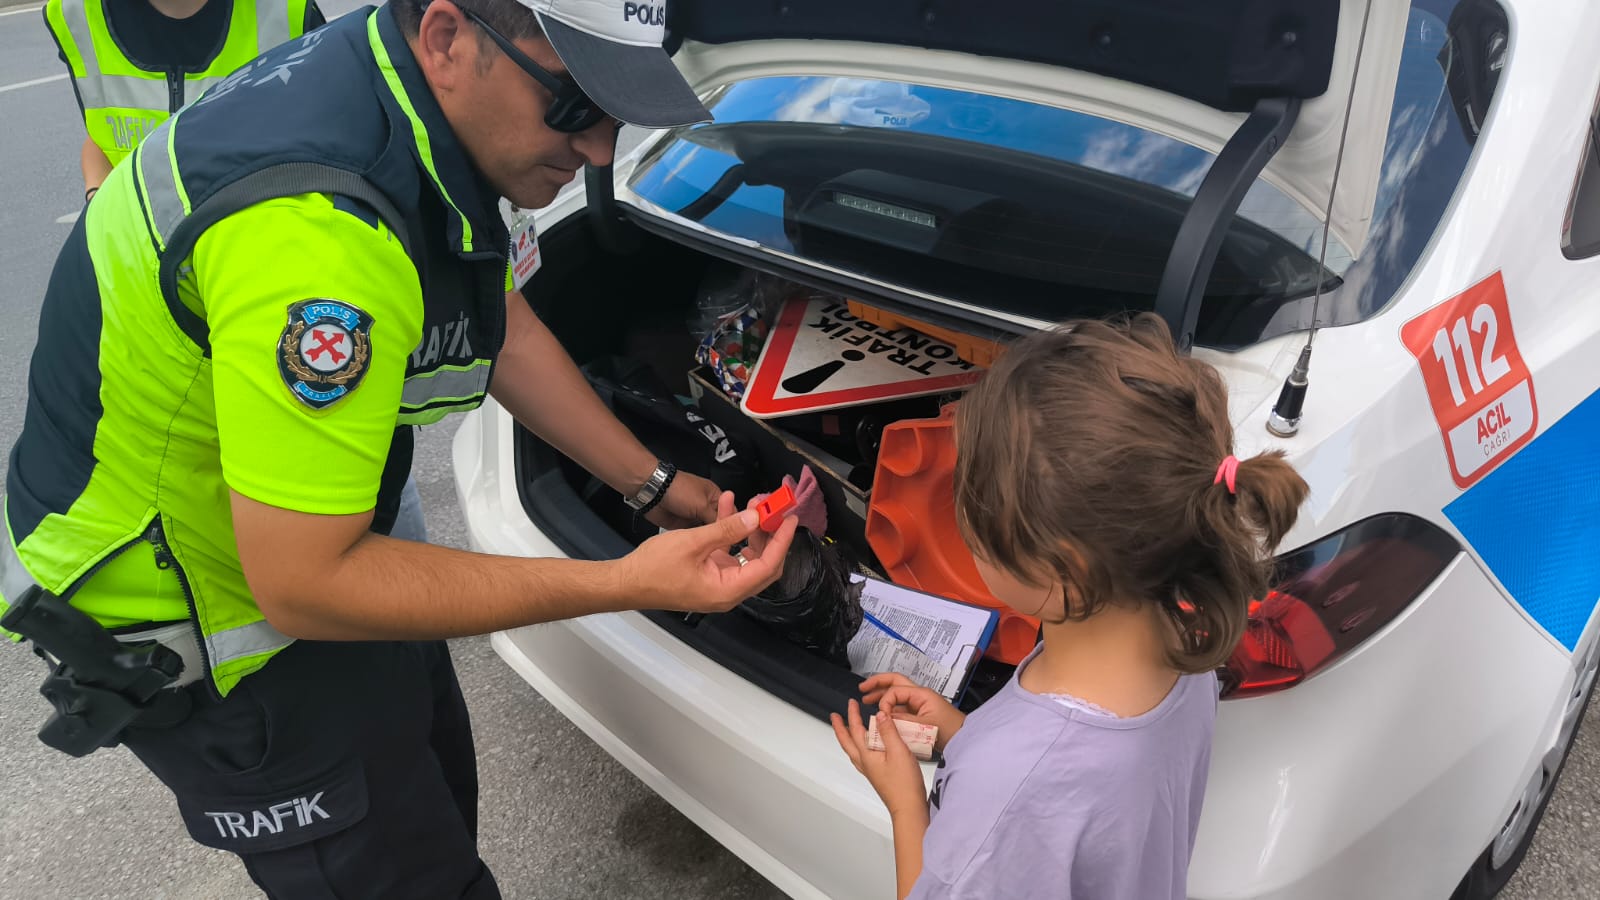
136 62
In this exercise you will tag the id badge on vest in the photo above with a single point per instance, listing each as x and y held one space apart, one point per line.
525 258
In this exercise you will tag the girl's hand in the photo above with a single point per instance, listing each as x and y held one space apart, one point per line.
894 773
872 689
897 694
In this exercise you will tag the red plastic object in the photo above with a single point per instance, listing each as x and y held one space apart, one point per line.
911 526
774 507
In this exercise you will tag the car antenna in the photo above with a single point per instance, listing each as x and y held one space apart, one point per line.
1285 418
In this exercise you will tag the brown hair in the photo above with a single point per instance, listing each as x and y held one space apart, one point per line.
1088 453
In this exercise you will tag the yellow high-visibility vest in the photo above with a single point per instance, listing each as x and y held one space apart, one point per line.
122 102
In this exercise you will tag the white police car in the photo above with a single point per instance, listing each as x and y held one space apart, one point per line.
1400 708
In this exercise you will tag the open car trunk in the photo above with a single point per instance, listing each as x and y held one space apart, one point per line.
602 305
974 219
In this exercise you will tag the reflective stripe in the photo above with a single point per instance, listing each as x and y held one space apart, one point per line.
180 639
14 576
272 25
446 383
158 175
246 640
77 20
99 90
126 92
224 646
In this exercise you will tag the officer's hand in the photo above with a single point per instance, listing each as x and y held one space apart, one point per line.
690 501
691 570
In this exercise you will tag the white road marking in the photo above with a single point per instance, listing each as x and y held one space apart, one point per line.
67 219
22 84
18 12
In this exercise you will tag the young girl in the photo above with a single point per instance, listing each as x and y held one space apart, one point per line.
1096 488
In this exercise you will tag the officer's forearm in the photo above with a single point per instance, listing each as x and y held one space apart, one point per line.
538 383
328 578
381 588
388 589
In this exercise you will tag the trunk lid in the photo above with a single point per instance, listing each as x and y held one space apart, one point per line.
1190 72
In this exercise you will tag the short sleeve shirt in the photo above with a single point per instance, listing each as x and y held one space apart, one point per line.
1038 799
249 271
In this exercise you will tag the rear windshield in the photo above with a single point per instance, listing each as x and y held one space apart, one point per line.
1042 213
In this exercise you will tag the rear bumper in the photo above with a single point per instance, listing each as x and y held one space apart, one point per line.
767 782
1382 777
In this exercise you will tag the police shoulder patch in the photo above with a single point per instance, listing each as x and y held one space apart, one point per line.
324 350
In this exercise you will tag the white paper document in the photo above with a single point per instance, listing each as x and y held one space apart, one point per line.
948 636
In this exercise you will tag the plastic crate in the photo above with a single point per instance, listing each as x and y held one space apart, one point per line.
911 526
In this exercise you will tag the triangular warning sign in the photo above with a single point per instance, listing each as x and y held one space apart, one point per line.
820 356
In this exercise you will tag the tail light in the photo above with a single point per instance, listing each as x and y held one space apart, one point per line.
1331 596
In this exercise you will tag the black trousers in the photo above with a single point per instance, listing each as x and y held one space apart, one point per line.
341 770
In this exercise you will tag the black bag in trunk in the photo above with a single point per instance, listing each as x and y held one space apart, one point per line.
674 431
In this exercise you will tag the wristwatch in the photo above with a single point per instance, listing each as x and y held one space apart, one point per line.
655 489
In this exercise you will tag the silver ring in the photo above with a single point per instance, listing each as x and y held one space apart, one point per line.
742 561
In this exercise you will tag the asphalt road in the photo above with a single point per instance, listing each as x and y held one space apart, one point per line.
560 818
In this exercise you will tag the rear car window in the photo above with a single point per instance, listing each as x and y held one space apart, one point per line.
1040 213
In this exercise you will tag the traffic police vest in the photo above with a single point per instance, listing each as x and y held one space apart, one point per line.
119 448
123 102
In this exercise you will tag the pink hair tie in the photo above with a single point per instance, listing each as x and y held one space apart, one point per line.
1229 472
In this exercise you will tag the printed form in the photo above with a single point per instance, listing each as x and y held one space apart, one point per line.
948 636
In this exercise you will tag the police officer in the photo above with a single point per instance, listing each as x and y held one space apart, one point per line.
135 62
276 277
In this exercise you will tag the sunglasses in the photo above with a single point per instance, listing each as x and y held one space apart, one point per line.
571 110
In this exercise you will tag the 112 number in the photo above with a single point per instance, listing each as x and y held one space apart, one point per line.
1482 372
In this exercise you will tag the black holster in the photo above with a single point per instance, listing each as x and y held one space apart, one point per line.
98 685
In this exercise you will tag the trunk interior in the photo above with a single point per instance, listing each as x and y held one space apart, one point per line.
638 307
